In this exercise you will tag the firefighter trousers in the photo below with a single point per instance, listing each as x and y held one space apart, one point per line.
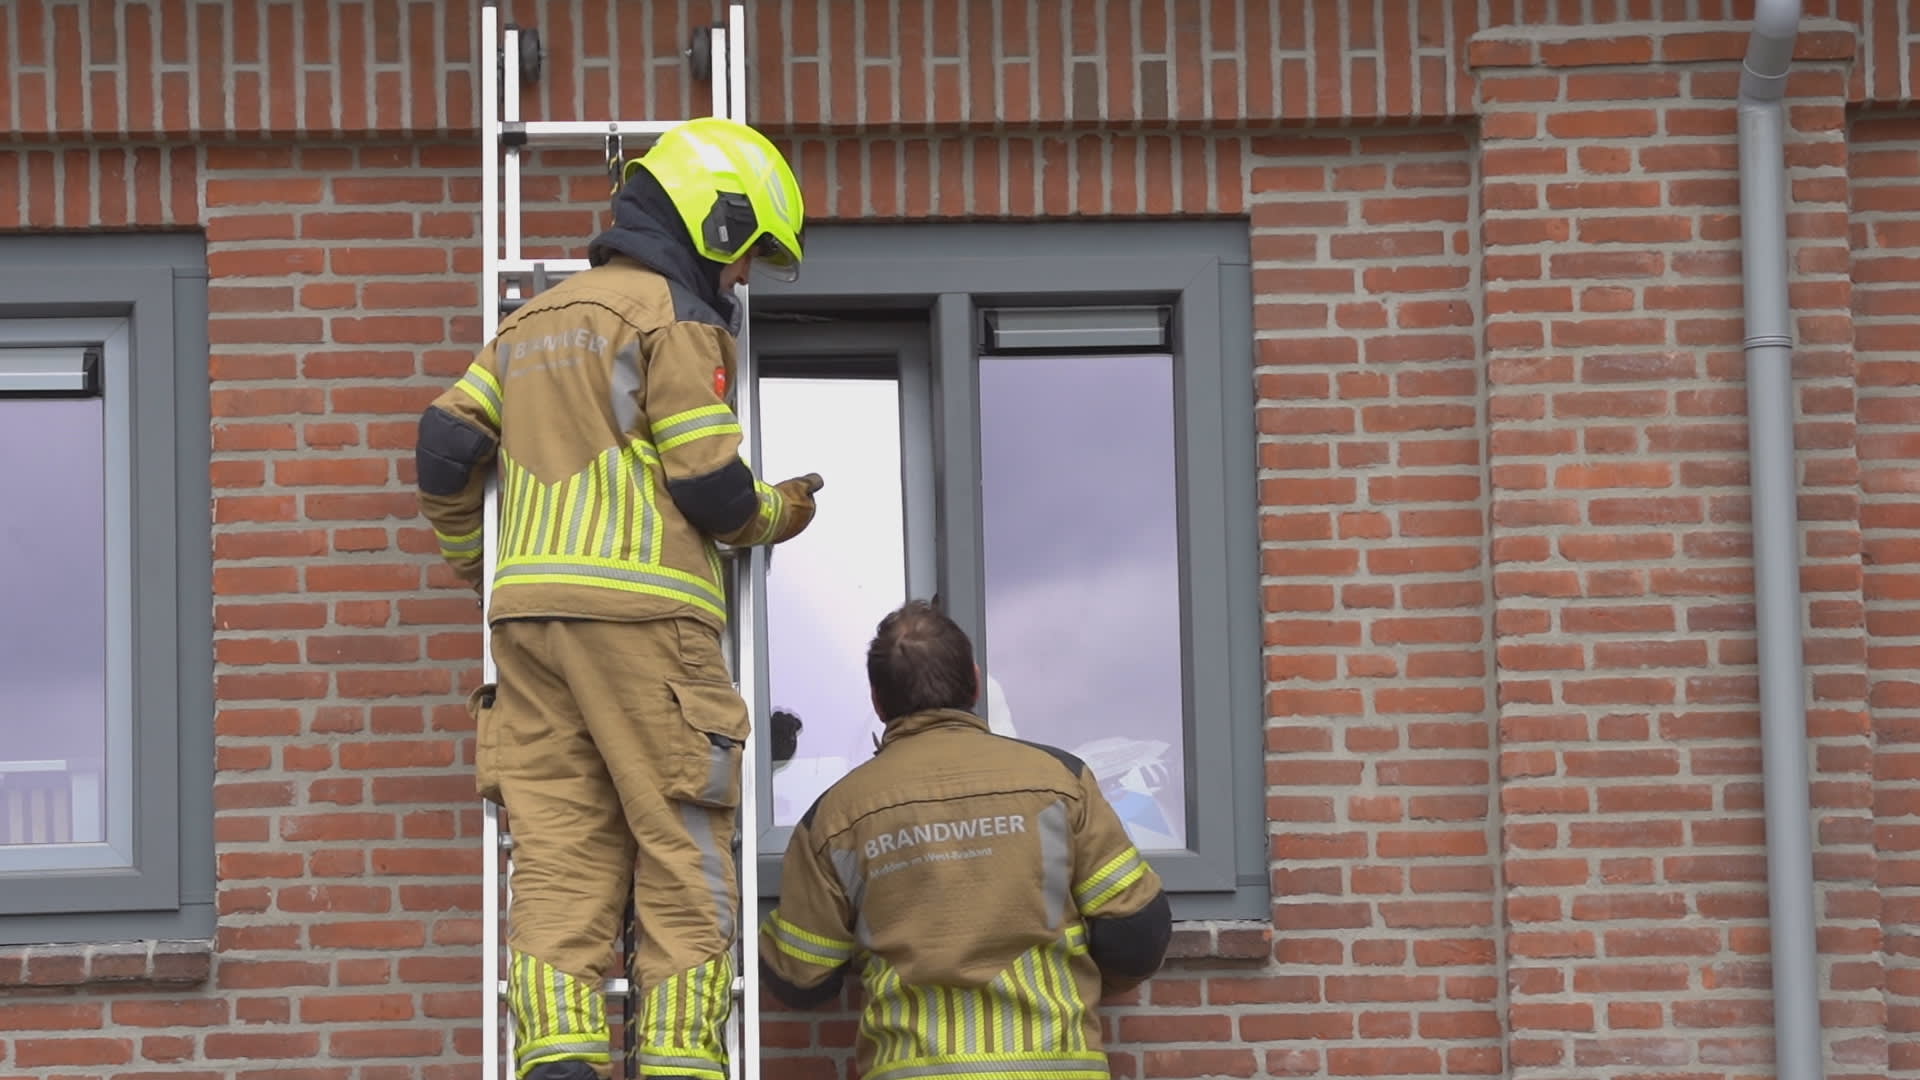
616 750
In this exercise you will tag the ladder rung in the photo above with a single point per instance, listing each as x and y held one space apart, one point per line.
551 266
619 986
540 132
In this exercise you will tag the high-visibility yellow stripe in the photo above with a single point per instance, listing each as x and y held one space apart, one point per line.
542 519
772 505
1029 1021
556 1017
479 384
461 546
693 425
685 1019
596 490
641 509
805 945
600 527
649 501
1119 885
1109 881
618 586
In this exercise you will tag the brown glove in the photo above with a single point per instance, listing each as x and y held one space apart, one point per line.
798 493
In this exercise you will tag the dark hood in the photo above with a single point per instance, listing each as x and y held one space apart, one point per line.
647 229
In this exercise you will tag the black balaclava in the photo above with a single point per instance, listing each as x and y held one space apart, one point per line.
647 229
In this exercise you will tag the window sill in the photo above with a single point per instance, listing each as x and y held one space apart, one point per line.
1235 941
139 963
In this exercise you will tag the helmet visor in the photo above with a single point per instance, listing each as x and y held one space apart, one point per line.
780 263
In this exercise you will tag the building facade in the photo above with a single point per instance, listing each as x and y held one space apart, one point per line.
1411 331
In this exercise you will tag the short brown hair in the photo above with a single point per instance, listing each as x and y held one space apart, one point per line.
920 660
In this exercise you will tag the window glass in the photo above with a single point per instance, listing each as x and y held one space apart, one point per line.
53 720
1082 560
828 588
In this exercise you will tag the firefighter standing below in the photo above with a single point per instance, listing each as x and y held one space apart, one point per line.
615 727
988 888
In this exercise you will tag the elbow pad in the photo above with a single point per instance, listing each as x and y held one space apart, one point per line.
446 451
720 503
1132 946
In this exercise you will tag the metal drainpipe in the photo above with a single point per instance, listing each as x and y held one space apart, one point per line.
1776 540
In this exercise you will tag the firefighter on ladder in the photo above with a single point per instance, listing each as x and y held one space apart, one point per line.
982 887
615 729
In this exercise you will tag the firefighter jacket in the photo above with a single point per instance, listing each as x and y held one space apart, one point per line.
602 403
988 894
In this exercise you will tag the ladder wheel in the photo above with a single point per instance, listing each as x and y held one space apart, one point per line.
700 53
530 55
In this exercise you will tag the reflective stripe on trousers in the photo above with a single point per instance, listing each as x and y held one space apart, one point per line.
556 1017
682 1029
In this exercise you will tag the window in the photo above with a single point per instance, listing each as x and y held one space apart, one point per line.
1065 557
1050 428
106 654
58 794
826 588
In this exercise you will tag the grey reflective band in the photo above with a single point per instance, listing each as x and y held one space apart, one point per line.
682 428
713 866
1056 862
833 953
550 1050
49 369
473 383
1095 888
655 1063
562 1016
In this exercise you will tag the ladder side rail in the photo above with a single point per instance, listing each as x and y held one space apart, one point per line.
492 997
751 614
733 1033
510 115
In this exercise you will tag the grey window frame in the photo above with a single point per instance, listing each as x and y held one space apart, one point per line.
153 288
851 351
943 276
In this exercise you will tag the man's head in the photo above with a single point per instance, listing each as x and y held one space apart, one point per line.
734 192
920 660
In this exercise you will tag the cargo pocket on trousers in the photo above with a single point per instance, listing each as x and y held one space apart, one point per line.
486 727
703 766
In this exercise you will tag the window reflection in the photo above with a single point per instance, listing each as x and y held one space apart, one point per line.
829 587
53 728
1082 556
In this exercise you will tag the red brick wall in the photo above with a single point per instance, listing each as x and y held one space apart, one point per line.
1635 870
1511 754
1884 172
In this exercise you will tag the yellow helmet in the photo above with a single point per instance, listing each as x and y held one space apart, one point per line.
733 189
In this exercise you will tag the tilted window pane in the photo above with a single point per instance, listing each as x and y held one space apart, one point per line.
53 723
1083 573
828 588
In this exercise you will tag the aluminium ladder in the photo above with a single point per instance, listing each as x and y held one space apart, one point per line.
718 53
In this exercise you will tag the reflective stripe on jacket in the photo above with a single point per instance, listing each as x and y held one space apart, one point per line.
601 405
961 873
